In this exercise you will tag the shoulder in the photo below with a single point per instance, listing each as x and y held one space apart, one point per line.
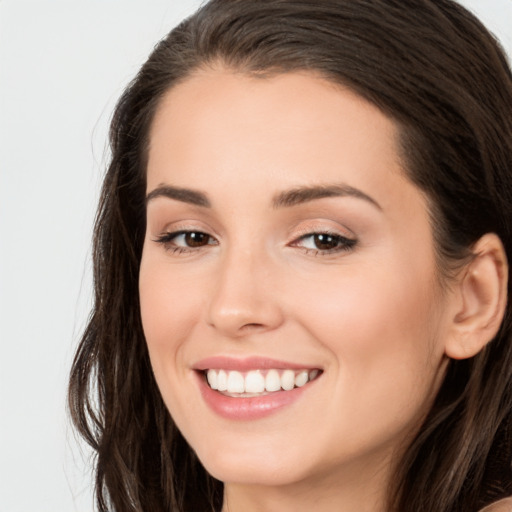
500 506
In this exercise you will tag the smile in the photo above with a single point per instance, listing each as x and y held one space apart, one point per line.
258 382
252 388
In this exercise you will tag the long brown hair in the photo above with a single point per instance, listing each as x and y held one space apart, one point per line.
434 69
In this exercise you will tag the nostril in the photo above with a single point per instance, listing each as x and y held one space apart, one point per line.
251 327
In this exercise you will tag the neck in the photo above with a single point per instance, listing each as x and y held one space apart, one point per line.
364 489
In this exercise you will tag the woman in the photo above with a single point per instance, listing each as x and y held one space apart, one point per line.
301 266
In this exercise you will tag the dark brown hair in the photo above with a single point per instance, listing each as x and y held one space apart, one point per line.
434 69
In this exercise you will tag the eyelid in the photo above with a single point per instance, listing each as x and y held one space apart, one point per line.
323 226
346 241
334 234
167 236
175 234
184 226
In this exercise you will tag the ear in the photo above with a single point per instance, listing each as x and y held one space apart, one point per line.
480 299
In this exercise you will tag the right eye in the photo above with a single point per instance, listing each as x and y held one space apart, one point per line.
185 241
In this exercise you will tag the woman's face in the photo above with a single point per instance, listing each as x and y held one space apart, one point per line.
287 253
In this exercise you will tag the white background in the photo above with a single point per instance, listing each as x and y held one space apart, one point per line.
63 64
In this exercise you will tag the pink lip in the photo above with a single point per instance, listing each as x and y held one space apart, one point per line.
248 408
246 364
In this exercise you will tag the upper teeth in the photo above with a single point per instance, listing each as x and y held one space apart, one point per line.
257 381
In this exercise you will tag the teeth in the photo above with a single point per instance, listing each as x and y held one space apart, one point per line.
302 378
288 380
236 382
255 381
211 377
272 381
313 374
222 381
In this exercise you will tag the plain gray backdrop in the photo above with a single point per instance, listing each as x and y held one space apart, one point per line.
63 64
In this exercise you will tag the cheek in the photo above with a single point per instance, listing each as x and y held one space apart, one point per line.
168 310
369 305
388 368
385 335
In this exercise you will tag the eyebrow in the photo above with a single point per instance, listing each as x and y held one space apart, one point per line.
184 195
284 199
304 194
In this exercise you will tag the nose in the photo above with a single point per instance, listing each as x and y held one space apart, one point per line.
244 298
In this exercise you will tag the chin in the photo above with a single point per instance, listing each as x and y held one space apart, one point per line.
256 468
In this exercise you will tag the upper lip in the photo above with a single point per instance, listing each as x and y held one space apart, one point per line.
248 363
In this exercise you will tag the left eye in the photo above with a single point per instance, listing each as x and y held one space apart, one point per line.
325 242
192 239
186 239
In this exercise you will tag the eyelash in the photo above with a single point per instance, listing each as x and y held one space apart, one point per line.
342 243
168 241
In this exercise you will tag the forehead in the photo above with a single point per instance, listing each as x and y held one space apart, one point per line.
303 100
219 126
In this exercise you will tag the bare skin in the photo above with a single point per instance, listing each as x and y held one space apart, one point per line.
345 282
500 506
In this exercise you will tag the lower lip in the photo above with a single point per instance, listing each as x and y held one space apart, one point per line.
247 408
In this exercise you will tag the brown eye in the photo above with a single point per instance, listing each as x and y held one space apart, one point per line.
196 239
184 241
325 242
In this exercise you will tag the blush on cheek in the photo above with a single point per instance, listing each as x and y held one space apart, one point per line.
163 304
361 318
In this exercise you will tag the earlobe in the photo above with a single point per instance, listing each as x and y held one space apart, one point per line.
481 299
